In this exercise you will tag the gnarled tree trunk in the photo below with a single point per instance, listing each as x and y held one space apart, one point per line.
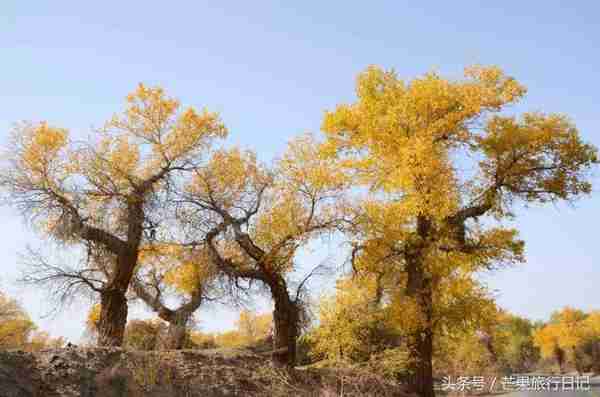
113 317
113 314
286 323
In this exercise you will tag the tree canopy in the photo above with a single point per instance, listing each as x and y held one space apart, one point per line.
417 177
436 155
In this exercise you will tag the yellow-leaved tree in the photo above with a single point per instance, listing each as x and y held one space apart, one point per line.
106 195
15 325
174 281
572 333
547 340
571 336
437 155
254 327
353 327
18 331
258 218
251 330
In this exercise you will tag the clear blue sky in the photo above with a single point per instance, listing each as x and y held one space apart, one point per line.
272 69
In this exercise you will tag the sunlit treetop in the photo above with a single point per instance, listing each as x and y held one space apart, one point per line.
278 208
568 329
58 180
592 322
568 315
436 155
304 200
173 133
232 180
571 327
404 138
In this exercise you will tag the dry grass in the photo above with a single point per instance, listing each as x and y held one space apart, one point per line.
104 372
325 382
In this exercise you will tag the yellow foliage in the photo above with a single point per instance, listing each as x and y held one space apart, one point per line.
463 355
126 161
93 318
547 340
15 333
571 327
16 327
254 327
569 331
402 137
42 340
230 178
342 334
182 268
303 168
144 334
41 146
280 208
202 340
435 156
230 339
153 117
518 154
251 328
306 200
592 323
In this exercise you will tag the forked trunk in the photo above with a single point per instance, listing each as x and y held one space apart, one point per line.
178 319
113 318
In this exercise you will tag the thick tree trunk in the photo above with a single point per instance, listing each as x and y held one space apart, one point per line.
421 354
113 318
420 345
285 318
420 342
113 315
